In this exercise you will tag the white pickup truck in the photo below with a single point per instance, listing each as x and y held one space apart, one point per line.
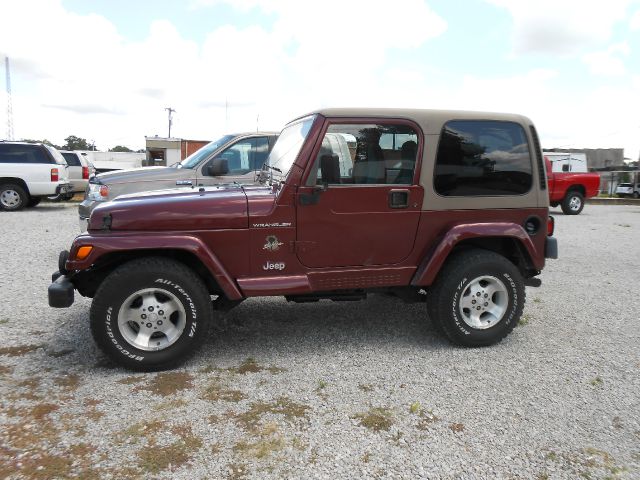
29 172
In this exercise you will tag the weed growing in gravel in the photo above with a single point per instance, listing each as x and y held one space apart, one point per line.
237 471
456 427
289 409
68 382
375 419
216 392
366 387
588 462
131 380
60 353
415 407
427 417
144 429
251 366
4 370
3 321
19 350
171 405
321 384
366 458
596 381
537 300
524 320
166 384
270 442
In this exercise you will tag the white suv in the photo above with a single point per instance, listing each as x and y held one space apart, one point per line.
628 189
29 172
80 169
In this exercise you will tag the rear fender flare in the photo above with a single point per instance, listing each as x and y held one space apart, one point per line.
431 265
114 244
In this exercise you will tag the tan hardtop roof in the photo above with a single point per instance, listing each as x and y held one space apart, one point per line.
431 121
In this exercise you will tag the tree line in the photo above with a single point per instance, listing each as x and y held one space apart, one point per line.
77 143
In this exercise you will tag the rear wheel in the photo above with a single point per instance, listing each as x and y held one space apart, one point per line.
477 299
573 203
12 197
150 314
636 194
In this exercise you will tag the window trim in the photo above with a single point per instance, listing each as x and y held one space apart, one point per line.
435 159
327 121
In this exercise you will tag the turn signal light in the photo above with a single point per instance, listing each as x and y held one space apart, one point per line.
551 225
54 175
83 252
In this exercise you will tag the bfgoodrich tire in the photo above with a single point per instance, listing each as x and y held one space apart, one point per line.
573 203
150 314
477 299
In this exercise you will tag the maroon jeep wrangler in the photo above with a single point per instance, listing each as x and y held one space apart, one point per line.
444 207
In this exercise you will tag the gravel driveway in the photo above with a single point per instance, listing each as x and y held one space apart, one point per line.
332 390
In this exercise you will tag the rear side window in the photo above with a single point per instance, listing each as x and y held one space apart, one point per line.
23 154
482 158
72 159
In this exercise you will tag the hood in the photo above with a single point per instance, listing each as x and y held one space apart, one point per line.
174 210
135 174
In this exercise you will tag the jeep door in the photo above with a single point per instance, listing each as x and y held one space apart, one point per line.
243 158
363 209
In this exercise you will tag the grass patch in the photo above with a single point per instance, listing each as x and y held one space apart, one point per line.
217 392
4 321
375 419
289 409
165 384
270 441
19 350
131 380
251 366
68 382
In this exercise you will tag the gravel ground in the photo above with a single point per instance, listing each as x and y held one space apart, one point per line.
332 390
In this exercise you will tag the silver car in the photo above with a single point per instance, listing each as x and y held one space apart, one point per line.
232 158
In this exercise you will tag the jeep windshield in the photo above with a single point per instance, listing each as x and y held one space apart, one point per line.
199 155
287 147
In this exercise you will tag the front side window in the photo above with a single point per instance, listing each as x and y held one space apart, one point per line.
201 154
366 154
482 158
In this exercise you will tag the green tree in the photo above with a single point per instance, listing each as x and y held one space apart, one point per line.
77 143
120 148
45 141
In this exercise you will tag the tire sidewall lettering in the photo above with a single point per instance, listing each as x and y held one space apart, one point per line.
123 348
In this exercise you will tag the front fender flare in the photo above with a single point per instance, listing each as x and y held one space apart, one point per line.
124 243
431 265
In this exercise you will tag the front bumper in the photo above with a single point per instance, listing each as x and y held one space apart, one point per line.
60 291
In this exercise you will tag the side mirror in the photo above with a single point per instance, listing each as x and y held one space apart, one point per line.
218 167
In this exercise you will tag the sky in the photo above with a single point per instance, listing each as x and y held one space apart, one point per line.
105 70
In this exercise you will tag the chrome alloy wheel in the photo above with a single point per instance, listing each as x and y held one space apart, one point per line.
484 302
151 319
10 198
575 203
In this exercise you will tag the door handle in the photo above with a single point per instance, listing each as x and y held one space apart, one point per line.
184 182
398 198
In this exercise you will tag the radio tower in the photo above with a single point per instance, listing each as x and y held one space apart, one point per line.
9 107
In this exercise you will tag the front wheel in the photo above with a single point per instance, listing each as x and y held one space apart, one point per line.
636 195
573 203
477 299
150 314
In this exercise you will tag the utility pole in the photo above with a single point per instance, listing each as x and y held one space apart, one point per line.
9 106
170 112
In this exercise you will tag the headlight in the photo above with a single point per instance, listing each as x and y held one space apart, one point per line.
98 192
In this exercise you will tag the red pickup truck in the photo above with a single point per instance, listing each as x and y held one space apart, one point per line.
569 190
